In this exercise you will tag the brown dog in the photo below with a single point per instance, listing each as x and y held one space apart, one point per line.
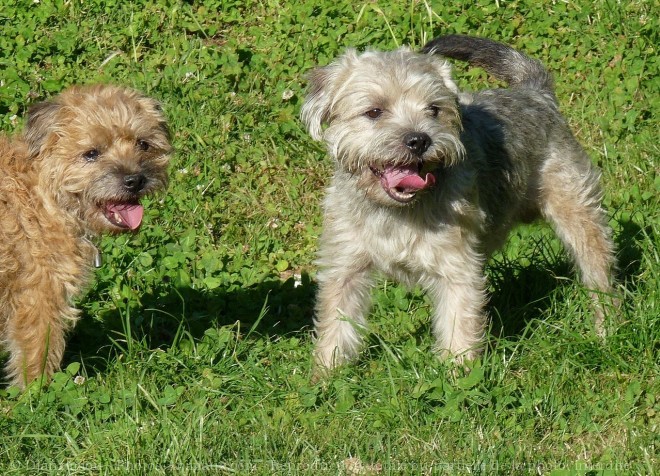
83 163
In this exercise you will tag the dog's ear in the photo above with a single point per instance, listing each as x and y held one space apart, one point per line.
41 121
155 108
322 86
443 67
316 109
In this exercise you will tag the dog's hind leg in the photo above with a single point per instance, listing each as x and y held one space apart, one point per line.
570 199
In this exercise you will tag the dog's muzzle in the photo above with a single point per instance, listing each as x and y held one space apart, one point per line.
402 182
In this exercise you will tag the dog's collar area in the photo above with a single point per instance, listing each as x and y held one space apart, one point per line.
97 259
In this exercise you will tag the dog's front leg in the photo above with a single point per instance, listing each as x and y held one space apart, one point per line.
35 334
459 321
343 300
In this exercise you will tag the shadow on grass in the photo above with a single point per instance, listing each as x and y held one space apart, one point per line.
160 319
522 294
629 251
519 294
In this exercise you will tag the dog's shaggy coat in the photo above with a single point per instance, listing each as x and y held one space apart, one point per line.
80 168
430 180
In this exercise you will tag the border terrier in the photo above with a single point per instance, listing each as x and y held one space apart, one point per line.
429 181
80 168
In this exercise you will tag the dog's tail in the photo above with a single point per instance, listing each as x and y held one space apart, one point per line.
502 61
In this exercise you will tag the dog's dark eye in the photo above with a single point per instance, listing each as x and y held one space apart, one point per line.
434 110
143 144
373 113
91 155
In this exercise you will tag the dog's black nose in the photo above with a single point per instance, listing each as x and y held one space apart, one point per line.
417 142
135 182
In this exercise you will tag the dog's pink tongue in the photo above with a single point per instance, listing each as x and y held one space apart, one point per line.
131 214
406 178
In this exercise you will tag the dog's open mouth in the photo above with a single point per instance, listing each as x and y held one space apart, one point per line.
402 182
124 214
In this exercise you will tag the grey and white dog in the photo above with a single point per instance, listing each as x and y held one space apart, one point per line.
429 181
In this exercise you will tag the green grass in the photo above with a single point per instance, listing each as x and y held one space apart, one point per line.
193 354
